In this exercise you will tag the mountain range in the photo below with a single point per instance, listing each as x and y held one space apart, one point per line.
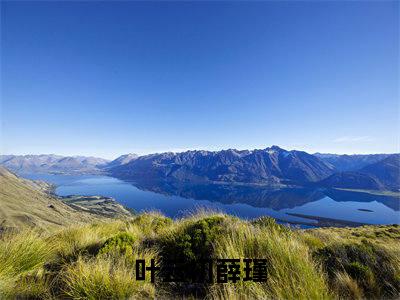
272 166
121 160
347 162
50 163
381 175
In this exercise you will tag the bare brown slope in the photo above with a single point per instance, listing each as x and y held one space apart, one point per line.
23 204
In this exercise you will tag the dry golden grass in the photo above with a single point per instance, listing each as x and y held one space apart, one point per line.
23 205
96 261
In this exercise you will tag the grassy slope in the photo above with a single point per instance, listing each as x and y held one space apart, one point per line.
24 204
97 261
65 258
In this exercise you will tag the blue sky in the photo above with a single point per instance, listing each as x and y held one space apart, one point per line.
107 78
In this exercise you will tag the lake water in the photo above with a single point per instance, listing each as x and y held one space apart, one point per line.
176 199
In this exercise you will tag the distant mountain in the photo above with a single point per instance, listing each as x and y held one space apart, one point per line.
121 160
350 162
352 180
272 165
387 171
52 164
381 175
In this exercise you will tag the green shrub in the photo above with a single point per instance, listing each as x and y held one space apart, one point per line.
192 244
360 272
195 242
152 222
95 261
121 243
374 268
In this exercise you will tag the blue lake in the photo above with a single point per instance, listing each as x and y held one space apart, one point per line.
177 199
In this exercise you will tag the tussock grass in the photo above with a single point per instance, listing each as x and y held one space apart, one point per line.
21 254
346 287
291 272
375 269
104 278
150 225
359 262
97 261
34 285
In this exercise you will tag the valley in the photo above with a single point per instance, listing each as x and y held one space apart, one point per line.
279 183
272 166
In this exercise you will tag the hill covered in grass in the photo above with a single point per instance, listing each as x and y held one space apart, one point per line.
74 248
98 261
26 203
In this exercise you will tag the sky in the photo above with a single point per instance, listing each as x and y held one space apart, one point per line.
108 78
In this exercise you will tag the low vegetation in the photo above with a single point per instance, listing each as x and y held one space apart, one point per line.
98 261
31 204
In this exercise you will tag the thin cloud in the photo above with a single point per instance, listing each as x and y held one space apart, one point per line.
353 139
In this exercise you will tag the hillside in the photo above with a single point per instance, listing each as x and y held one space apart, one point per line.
381 175
352 162
98 261
353 180
274 166
25 203
22 204
121 160
90 256
387 171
